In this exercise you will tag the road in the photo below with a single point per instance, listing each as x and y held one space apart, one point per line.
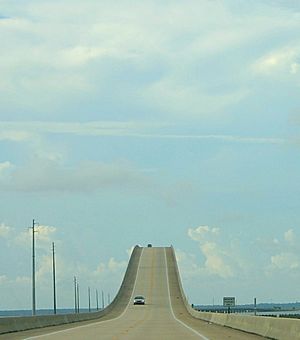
162 317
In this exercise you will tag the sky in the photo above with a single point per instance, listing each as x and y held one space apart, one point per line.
171 123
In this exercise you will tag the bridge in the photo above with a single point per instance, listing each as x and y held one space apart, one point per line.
153 273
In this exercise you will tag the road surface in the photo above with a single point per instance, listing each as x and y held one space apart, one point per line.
162 317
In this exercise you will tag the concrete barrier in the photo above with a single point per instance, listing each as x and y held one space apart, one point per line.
269 327
15 324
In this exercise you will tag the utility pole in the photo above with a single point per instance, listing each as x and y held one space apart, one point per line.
75 294
89 295
108 299
54 279
33 267
97 301
102 300
78 308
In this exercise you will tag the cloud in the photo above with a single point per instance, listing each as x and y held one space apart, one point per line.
44 268
32 131
92 128
187 263
3 279
286 242
80 55
202 233
129 251
288 4
107 272
45 233
174 71
217 260
185 101
285 261
4 166
284 253
113 266
285 60
5 230
23 280
14 136
295 68
44 236
290 236
51 176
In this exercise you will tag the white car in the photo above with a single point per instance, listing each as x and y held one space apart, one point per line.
139 300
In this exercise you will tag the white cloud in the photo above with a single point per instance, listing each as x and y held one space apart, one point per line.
284 60
92 128
107 274
285 254
5 230
129 251
45 233
290 236
52 176
44 268
217 260
4 166
190 101
202 233
5 170
136 129
188 266
115 266
44 236
109 269
3 279
15 136
23 279
79 57
285 260
295 68
112 266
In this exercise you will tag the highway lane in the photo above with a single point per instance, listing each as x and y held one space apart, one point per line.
163 317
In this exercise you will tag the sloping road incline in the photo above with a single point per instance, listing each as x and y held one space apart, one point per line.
164 315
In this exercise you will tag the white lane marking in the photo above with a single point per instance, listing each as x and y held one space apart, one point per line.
170 302
95 323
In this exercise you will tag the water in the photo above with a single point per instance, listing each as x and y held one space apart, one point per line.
28 312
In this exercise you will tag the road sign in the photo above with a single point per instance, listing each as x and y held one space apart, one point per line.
228 301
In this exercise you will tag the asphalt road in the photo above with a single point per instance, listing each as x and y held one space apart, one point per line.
162 317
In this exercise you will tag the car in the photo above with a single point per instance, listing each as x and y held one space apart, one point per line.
149 245
139 300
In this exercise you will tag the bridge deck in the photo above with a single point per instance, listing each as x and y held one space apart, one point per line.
162 317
